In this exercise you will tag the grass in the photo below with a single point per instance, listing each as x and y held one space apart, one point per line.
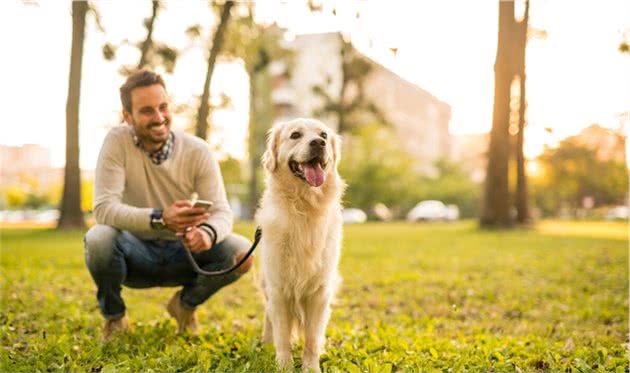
433 297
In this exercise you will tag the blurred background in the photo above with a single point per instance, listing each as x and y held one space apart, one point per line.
506 112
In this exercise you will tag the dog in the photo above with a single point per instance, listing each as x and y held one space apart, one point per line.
300 217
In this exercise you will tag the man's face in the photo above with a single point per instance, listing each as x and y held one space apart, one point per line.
149 115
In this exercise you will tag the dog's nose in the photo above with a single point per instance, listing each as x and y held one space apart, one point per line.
318 143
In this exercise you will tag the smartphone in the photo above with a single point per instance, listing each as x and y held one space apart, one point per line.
205 204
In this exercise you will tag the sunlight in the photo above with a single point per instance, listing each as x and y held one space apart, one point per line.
534 169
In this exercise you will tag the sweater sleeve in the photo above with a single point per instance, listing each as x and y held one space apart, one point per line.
109 184
209 185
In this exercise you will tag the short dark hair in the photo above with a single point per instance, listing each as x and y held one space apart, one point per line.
140 78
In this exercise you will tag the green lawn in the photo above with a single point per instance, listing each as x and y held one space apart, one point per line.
426 297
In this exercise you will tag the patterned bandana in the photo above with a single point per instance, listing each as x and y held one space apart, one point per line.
162 153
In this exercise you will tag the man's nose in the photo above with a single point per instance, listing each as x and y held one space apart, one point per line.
317 143
159 116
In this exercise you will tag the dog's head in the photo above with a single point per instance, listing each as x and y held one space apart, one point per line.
304 148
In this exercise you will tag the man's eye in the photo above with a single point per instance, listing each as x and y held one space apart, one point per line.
324 135
296 135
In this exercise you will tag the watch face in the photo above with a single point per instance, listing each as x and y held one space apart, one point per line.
157 222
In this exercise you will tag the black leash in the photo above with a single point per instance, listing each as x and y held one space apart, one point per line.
222 272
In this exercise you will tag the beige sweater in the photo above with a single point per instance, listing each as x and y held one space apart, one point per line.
128 185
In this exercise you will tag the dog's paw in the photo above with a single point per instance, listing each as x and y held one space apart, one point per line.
284 361
311 365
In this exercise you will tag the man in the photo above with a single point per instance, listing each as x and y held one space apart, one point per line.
145 176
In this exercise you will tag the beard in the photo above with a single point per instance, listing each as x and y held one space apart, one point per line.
153 133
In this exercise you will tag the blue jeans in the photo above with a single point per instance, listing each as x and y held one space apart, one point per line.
115 258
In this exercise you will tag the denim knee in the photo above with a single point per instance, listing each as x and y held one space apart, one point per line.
240 246
100 244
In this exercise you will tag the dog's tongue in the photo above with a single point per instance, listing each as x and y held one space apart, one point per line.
314 174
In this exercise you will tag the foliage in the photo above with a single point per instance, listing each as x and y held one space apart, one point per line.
87 195
572 172
415 297
231 171
21 196
152 53
15 196
376 170
452 186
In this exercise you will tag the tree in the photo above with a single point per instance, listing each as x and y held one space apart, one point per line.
71 215
572 172
147 45
522 207
152 53
202 115
350 109
509 64
624 46
257 45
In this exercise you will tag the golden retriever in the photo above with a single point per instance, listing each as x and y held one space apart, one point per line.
300 217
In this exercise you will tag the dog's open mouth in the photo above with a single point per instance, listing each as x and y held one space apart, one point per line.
311 171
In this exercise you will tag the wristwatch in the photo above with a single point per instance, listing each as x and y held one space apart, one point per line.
157 221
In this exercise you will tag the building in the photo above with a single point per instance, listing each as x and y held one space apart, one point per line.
419 119
33 161
25 164
470 153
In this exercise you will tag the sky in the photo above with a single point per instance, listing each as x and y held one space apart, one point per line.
575 75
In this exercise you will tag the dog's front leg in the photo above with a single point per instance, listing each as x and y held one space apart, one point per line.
317 315
281 329
267 327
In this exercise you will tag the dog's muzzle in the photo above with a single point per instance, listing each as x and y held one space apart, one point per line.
311 171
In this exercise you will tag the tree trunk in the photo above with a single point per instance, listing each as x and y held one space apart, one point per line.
253 159
202 115
261 117
496 201
522 207
71 215
341 125
148 42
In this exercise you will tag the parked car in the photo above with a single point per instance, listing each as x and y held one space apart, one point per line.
46 216
618 213
432 210
382 212
353 216
452 213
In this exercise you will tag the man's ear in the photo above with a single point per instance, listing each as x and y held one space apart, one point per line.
127 116
270 157
335 141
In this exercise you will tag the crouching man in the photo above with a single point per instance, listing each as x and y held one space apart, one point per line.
145 176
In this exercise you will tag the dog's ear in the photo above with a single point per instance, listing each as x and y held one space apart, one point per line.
270 157
336 146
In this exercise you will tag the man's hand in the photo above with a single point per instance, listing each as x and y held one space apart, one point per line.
197 240
181 215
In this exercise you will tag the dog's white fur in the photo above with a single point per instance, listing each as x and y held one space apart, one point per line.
301 241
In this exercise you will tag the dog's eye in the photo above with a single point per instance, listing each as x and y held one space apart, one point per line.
296 135
324 135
